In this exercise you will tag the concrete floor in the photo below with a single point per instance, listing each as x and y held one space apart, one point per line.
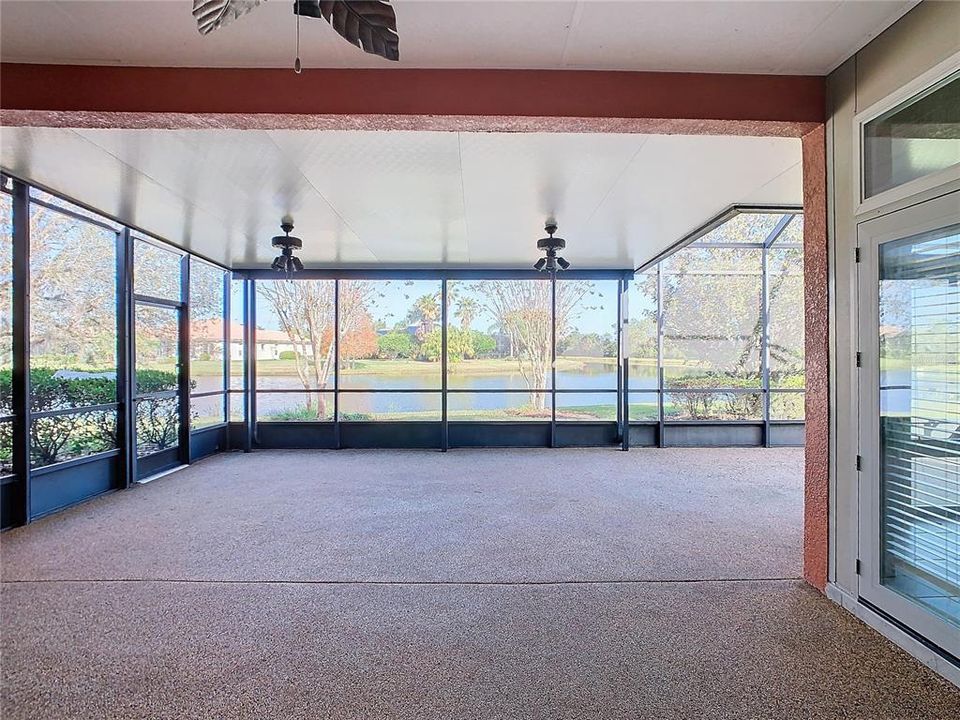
475 584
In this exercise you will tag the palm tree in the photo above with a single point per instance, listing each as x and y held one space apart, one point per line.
467 310
426 312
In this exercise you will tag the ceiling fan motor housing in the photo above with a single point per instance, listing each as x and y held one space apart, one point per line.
551 244
287 242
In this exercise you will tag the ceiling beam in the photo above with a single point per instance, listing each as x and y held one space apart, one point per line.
522 100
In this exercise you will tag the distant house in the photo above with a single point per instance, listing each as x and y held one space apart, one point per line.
271 343
207 338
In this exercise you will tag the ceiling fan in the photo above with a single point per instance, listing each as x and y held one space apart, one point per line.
371 25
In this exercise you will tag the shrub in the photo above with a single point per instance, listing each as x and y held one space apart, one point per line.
355 416
60 437
461 344
304 414
432 347
395 345
721 405
483 344
288 355
717 405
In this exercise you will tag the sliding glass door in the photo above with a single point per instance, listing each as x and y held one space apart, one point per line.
909 287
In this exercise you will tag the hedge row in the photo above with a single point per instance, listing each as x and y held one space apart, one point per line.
61 437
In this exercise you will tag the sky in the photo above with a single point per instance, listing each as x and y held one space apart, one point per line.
394 298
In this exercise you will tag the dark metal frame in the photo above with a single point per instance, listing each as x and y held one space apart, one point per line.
181 454
21 354
126 378
196 448
70 481
252 425
770 427
120 467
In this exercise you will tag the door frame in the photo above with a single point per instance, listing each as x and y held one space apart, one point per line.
148 466
922 217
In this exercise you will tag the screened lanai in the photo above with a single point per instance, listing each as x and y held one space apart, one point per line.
697 459
144 358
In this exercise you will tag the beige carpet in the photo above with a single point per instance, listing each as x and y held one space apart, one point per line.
476 584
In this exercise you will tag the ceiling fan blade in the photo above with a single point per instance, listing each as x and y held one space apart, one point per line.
213 14
371 25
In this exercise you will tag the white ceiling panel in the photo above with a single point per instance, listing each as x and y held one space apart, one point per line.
393 189
408 199
242 178
677 182
64 160
513 182
791 36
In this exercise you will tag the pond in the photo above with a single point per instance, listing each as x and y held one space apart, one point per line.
475 394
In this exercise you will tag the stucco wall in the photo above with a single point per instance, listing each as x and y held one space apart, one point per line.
924 37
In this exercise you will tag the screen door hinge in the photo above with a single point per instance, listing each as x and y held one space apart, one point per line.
858 566
859 463
859 359
856 255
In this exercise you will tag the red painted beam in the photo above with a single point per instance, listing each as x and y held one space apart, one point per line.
482 93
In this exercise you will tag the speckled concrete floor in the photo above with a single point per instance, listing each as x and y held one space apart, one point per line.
476 584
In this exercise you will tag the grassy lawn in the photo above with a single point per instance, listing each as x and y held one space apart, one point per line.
582 412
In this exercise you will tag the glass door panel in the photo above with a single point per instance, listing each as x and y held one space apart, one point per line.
920 418
910 407
157 364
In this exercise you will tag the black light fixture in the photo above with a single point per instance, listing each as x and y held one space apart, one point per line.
550 245
286 261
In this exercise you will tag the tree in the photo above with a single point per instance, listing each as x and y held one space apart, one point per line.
523 311
304 309
425 313
459 345
483 344
431 347
73 291
711 307
578 344
395 345
466 311
206 311
361 341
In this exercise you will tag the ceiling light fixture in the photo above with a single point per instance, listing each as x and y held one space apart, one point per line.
552 262
286 261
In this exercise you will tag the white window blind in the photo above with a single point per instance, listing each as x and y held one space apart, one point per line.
920 426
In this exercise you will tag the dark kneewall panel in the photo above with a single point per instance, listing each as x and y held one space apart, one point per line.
390 434
207 442
713 435
57 487
591 434
643 435
292 435
717 434
787 434
499 434
9 497
427 435
158 462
